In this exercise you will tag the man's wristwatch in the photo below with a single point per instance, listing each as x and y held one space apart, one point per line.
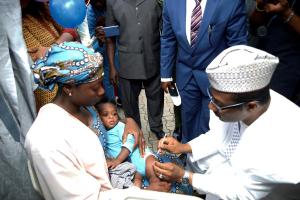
185 178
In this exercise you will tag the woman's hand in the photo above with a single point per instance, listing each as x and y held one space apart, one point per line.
168 171
112 163
131 127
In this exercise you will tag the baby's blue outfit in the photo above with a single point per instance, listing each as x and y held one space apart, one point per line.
114 146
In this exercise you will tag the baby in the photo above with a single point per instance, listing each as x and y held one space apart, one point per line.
122 152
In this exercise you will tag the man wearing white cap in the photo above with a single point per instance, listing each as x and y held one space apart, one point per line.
254 145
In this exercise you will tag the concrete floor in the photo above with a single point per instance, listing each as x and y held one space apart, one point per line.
168 119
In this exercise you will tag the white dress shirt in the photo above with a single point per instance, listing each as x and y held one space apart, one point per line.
190 5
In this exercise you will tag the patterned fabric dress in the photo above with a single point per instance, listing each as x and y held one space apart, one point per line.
40 33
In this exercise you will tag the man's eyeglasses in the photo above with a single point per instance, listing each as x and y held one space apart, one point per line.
220 108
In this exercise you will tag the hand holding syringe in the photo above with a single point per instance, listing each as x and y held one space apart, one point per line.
162 142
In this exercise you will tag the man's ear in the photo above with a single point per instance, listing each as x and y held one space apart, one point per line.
252 105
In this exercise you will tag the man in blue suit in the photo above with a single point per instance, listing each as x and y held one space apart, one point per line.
223 24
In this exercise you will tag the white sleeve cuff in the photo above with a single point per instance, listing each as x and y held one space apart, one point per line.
166 79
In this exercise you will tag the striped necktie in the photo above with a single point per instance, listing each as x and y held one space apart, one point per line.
195 22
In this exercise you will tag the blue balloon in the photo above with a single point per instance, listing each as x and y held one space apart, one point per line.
68 13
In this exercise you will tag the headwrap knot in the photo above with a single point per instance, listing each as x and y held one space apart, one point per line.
67 63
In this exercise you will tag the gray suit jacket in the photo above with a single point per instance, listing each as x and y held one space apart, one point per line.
139 40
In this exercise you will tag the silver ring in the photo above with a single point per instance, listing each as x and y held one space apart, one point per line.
161 176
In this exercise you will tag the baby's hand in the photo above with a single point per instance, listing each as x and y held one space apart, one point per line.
112 163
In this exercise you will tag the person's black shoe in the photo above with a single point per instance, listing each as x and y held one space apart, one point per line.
159 134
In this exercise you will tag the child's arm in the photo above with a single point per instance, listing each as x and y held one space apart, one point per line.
123 155
131 128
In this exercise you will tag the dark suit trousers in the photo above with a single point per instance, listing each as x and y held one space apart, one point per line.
131 89
194 111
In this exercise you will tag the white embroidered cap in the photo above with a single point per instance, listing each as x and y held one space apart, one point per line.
241 69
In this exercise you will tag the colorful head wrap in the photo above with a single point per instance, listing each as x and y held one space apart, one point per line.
67 63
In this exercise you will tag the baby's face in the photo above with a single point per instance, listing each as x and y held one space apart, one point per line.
109 115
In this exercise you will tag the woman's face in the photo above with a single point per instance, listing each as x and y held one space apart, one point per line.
88 94
109 115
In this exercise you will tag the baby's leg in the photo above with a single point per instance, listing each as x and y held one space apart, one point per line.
138 180
149 169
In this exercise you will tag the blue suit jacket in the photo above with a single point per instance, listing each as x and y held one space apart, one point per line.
223 25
